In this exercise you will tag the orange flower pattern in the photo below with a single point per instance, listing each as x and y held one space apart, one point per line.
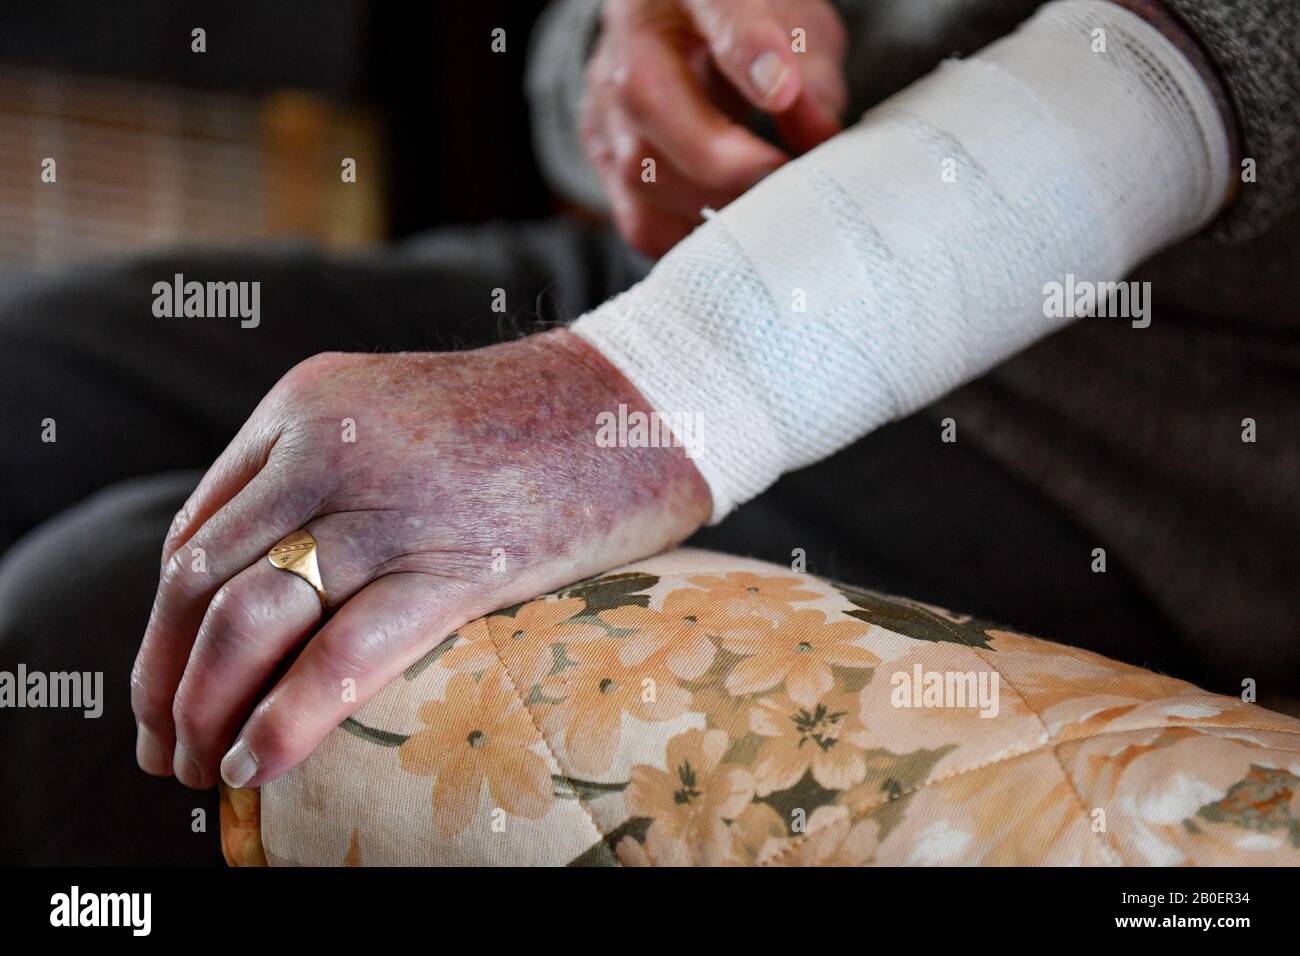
480 736
754 717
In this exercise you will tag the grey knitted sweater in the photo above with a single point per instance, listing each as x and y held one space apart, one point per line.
1137 434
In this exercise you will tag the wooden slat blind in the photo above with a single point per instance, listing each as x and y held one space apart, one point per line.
142 165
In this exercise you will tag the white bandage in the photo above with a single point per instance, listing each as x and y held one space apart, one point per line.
910 253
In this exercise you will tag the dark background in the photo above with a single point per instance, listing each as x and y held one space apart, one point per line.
454 112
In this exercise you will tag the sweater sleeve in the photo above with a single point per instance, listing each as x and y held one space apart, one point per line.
557 61
1256 48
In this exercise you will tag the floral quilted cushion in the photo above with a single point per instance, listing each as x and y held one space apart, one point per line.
700 709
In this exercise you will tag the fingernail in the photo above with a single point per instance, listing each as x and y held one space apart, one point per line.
149 753
186 769
768 74
239 765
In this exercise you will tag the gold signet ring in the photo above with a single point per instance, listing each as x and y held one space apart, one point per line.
296 553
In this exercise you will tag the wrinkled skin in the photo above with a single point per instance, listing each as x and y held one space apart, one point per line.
673 81
456 455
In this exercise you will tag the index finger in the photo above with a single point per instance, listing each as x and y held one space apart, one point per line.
667 106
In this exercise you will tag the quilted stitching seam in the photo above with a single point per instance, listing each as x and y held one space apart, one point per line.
601 836
961 771
1108 853
1015 755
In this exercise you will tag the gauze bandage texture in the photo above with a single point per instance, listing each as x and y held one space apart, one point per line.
910 253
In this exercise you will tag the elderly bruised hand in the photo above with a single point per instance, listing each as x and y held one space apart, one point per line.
438 487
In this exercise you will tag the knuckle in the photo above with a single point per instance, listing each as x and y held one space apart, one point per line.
150 707
179 581
312 369
309 489
186 717
271 736
341 657
177 528
711 168
233 618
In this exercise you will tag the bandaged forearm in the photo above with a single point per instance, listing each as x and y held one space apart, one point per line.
910 253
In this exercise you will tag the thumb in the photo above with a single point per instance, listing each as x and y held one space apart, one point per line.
751 49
